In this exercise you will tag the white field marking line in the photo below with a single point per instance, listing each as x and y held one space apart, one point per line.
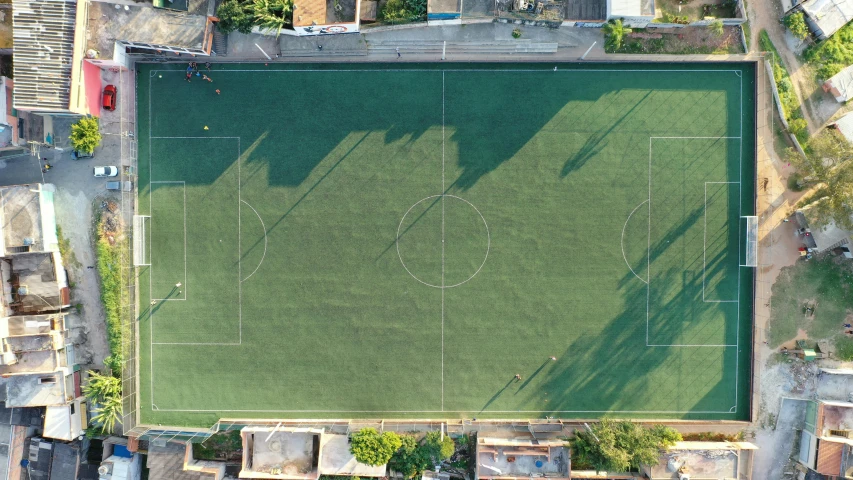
265 240
442 239
488 240
648 285
239 284
705 245
486 70
448 411
622 242
151 250
739 207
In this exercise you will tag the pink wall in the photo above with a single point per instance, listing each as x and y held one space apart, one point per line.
92 88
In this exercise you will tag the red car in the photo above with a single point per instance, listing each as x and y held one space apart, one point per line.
110 97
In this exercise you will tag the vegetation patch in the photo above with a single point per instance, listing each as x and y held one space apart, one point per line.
790 103
828 171
713 40
104 391
832 55
109 248
401 11
621 446
826 285
220 446
242 15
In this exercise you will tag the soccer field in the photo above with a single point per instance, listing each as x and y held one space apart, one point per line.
401 241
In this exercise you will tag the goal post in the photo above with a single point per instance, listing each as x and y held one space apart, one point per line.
751 259
140 254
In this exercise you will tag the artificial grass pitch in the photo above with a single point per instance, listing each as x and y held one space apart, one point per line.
400 241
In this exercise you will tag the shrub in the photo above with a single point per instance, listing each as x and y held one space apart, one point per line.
798 126
85 135
516 33
796 24
404 10
717 28
105 392
371 448
234 15
410 459
795 182
439 449
833 54
621 446
614 34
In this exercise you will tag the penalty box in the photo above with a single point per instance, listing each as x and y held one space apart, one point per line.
183 248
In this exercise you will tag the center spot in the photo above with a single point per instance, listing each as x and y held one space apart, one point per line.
443 241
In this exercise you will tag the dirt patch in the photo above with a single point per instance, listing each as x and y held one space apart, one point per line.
88 328
684 41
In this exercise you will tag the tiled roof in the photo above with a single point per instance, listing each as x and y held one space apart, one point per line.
829 457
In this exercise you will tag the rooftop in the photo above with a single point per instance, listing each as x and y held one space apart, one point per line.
705 460
828 15
27 219
32 391
336 459
834 416
39 361
66 461
841 84
145 24
286 453
43 33
167 463
845 126
26 325
39 283
501 457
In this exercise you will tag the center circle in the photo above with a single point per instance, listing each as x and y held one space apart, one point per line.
443 241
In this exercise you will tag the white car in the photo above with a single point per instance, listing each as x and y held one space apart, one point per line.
106 171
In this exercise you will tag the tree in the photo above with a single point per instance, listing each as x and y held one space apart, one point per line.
85 135
371 448
716 27
828 169
796 24
614 33
272 15
105 392
234 15
621 446
798 126
101 386
437 448
410 459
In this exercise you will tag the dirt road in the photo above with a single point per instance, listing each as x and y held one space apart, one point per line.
766 15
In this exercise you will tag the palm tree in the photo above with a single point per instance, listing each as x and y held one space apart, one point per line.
107 414
615 32
272 14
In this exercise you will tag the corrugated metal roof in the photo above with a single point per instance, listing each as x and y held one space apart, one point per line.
44 49
829 458
845 126
829 15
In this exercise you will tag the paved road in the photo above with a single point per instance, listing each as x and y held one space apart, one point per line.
19 168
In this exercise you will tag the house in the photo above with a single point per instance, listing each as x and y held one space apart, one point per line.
66 422
825 17
35 283
826 442
844 125
522 458
704 460
299 454
27 219
168 461
119 463
822 238
840 85
44 66
634 13
65 464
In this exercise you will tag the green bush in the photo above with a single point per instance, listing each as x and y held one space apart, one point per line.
85 135
614 34
516 33
234 15
798 126
832 55
796 23
371 448
844 349
404 10
439 449
109 269
105 392
795 182
410 460
621 446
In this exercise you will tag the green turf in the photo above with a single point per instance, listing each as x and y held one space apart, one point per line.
312 243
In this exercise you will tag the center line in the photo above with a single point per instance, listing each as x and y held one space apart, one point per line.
442 240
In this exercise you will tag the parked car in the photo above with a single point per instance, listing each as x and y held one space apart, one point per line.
110 97
106 171
127 186
81 156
